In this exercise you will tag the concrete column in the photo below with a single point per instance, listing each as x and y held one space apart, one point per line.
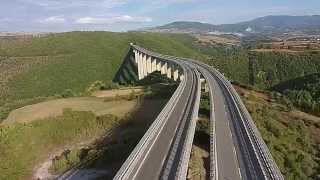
175 73
181 77
206 87
138 61
141 65
153 65
169 69
158 65
135 56
164 68
144 60
149 70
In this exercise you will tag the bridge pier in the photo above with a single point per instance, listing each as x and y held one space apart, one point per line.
149 70
164 68
204 85
169 71
159 65
140 59
181 77
175 73
153 64
144 67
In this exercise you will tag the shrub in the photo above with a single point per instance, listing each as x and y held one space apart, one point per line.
111 85
97 85
67 93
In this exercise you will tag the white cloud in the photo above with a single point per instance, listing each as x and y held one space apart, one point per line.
62 4
5 20
111 20
53 19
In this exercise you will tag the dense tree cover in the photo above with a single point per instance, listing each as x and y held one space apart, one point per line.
271 68
259 69
304 92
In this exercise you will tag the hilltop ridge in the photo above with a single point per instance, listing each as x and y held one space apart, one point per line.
267 24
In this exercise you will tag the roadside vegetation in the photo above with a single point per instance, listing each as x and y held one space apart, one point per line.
199 163
109 137
291 135
22 146
110 152
302 92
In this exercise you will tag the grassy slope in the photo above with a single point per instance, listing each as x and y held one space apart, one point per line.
23 145
73 61
79 58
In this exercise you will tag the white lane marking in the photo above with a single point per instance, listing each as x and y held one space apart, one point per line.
240 173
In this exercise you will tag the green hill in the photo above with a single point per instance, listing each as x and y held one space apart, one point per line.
69 62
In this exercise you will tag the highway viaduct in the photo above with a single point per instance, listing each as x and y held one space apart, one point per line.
237 150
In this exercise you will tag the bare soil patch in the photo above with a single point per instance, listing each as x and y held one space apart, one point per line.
277 50
215 39
118 92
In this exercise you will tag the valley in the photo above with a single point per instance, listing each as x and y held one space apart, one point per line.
51 89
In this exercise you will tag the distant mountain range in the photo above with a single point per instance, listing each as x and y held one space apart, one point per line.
267 24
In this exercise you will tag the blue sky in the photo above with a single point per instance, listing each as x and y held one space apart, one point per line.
122 15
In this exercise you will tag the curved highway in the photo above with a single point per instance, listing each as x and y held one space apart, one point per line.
164 151
254 160
237 150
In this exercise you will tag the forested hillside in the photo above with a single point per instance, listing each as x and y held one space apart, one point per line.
261 70
291 135
271 68
304 92
291 74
